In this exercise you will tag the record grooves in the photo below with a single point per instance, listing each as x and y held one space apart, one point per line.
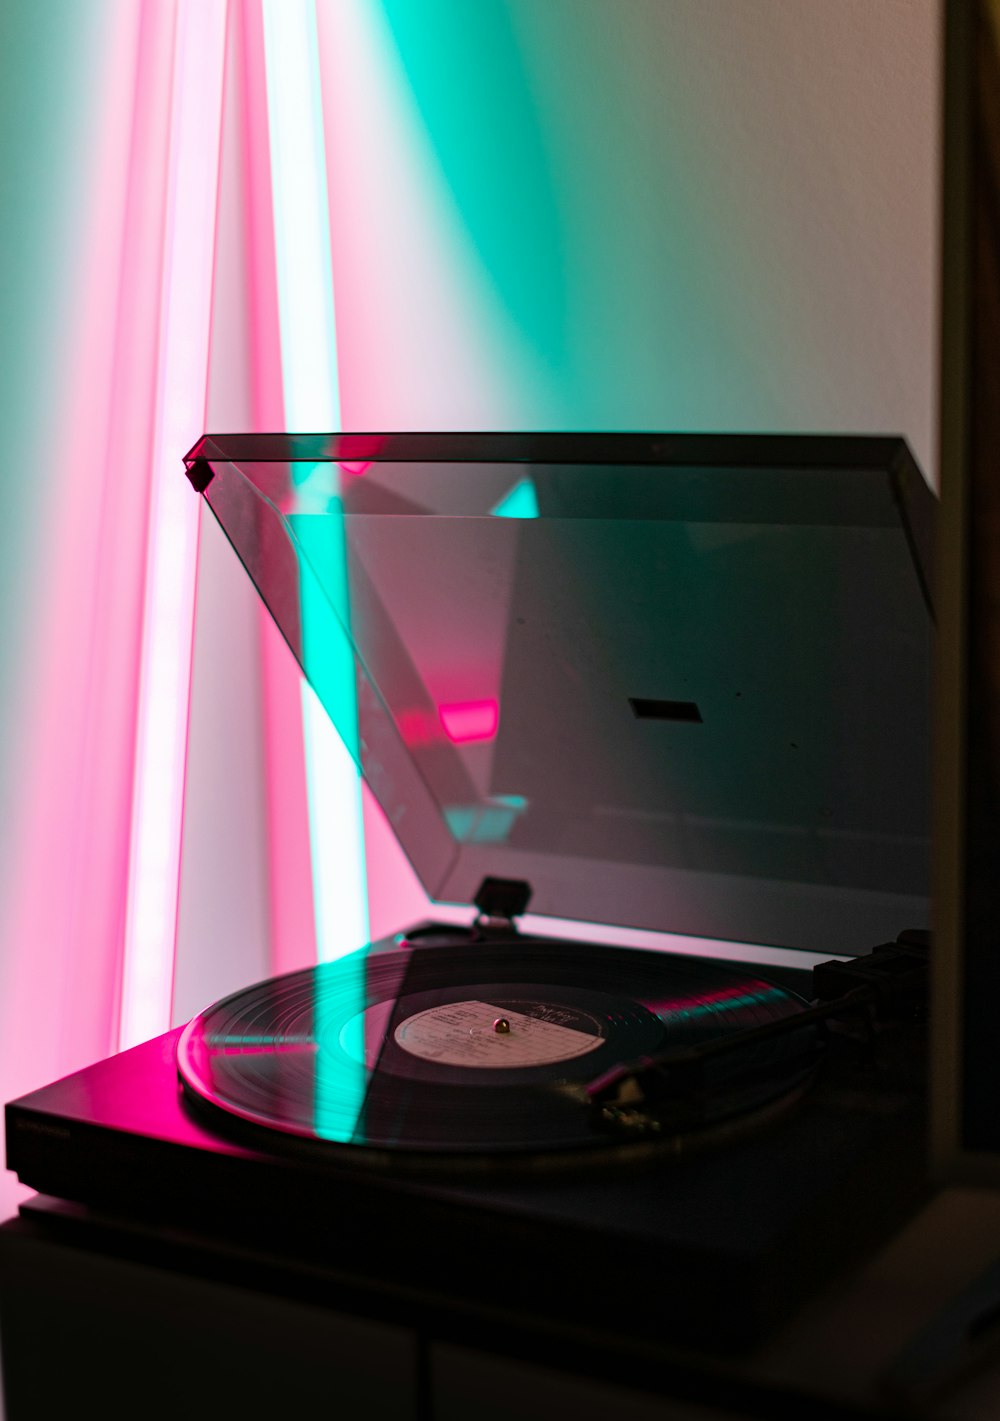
458 1055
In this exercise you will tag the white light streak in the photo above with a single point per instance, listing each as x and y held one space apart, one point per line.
185 316
309 369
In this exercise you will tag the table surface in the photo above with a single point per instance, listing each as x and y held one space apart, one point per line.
846 1343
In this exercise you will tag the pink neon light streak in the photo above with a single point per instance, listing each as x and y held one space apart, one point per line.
186 304
418 727
66 866
470 720
290 896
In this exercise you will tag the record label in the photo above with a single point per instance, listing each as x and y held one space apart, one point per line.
478 1034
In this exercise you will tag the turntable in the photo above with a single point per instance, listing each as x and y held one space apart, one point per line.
678 684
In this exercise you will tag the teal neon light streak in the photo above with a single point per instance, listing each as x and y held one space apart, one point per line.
312 401
520 502
465 69
340 1073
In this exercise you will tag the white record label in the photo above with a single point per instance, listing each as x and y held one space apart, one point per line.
477 1034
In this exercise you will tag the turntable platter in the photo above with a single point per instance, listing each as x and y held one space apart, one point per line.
476 1052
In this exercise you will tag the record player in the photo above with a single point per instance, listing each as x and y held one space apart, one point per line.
672 683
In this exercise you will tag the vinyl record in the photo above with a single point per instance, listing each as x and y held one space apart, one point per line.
482 1050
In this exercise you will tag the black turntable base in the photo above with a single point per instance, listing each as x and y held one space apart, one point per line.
719 1241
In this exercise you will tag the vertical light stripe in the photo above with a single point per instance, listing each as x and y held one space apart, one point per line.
289 853
301 223
309 368
337 830
71 712
185 318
